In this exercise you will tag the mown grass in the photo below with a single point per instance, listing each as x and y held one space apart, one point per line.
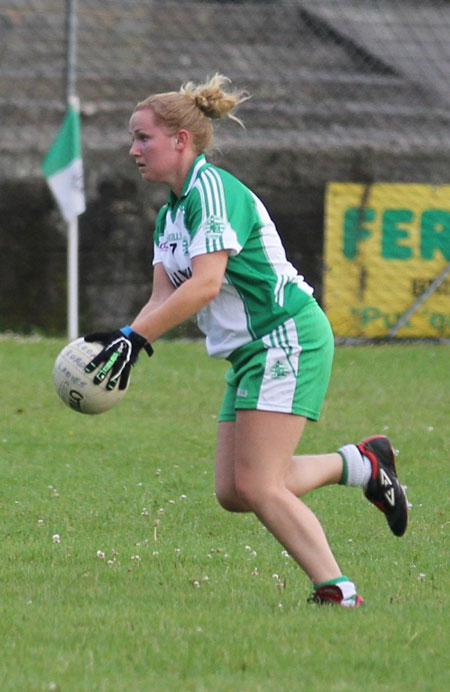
152 587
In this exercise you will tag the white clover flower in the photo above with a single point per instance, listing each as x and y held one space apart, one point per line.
56 538
100 554
40 522
145 512
161 510
183 497
275 576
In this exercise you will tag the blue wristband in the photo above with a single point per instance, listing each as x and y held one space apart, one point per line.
126 331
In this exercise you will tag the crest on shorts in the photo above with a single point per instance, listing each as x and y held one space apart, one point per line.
278 371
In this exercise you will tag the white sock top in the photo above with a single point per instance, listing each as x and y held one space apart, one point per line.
359 468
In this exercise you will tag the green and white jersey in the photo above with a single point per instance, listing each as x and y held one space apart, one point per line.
260 289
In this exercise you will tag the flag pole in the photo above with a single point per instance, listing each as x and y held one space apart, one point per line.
63 168
72 273
72 225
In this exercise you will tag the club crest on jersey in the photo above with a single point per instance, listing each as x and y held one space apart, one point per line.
214 226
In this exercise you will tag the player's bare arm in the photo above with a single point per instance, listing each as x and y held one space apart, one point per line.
162 289
207 275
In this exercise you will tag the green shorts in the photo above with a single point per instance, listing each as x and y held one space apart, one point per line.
287 370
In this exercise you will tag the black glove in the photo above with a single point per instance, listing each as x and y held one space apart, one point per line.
120 353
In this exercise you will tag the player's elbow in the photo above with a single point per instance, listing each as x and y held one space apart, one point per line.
209 290
208 296
214 289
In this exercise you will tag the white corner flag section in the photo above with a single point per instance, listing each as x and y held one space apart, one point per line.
63 167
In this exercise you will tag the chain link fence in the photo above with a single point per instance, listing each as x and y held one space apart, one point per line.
333 70
342 91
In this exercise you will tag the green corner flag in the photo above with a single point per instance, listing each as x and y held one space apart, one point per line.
63 167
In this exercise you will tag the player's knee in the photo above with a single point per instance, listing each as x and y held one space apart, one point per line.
227 498
254 493
247 492
231 504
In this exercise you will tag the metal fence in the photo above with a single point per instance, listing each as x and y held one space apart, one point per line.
348 90
318 69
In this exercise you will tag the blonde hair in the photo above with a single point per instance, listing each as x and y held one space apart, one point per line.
194 106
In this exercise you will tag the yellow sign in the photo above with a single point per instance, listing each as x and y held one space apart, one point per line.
384 246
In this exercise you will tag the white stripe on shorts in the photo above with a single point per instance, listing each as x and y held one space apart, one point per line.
280 374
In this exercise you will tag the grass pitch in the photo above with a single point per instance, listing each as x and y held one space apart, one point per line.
120 573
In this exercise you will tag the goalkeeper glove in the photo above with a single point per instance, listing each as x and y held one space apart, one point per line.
120 352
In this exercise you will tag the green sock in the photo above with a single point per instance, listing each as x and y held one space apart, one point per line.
331 582
344 476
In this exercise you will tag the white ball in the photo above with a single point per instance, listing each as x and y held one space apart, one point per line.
75 387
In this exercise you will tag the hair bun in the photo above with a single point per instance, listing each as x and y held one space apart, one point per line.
202 102
213 99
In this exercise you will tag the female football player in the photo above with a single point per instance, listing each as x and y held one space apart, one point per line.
217 254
